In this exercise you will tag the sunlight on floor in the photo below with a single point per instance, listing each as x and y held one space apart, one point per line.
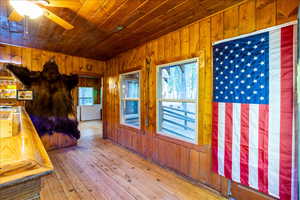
90 128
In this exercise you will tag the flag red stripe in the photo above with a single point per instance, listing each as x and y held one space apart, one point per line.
215 137
266 143
228 141
286 113
263 125
244 149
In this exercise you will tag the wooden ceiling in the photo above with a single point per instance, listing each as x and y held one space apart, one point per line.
96 34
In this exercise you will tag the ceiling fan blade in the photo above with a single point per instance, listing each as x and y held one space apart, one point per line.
65 3
15 16
63 23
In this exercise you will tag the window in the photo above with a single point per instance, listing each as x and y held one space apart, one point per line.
86 96
130 99
177 91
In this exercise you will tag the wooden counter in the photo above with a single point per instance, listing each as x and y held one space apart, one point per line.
23 158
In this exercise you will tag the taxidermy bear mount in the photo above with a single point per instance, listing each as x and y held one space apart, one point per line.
51 109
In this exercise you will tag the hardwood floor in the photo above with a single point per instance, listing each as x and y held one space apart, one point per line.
90 129
98 169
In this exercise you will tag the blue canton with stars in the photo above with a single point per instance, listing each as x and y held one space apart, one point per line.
241 70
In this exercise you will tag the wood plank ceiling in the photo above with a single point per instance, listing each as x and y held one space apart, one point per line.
96 22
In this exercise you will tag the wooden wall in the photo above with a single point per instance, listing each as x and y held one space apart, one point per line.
194 40
34 59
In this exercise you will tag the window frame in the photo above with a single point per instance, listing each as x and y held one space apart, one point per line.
196 101
122 122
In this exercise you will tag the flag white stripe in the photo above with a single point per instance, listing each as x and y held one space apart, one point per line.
294 167
221 137
236 135
253 145
274 112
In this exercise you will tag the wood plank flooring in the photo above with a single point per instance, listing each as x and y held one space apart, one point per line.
98 169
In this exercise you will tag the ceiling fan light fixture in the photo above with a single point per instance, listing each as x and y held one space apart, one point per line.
27 8
43 2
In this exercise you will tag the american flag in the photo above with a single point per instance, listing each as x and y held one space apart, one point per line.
253 111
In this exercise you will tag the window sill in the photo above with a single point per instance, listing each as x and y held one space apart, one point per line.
170 138
131 128
177 137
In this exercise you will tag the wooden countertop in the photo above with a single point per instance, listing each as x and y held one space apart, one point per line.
22 155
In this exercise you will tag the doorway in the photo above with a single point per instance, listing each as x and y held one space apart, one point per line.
89 98
89 107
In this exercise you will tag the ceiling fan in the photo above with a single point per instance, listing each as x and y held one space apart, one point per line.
35 8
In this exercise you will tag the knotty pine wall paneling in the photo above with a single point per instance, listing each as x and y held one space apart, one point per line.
194 40
34 59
